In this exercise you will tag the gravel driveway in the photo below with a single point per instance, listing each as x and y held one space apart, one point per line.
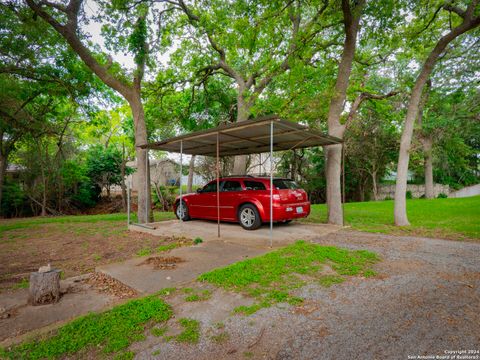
424 301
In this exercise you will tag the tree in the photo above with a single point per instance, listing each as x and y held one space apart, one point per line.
251 53
469 20
127 27
35 89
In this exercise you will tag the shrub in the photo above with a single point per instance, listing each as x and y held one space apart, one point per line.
409 194
442 196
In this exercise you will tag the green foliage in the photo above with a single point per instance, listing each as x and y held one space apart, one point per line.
442 196
408 194
197 240
13 198
271 278
104 167
111 331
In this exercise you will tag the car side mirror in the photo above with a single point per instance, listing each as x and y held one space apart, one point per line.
199 190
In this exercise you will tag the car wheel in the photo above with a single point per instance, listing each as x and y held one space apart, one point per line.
182 212
287 221
249 217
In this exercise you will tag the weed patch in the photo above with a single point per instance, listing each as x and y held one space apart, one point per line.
191 331
111 332
271 278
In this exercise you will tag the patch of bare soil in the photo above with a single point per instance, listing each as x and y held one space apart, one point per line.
162 263
106 284
74 248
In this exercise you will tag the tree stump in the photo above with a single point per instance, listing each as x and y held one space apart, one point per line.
44 287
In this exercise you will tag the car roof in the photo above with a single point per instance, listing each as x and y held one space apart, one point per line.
252 178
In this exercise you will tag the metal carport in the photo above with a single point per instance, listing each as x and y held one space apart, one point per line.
264 134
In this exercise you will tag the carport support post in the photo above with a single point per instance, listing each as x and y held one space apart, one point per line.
128 202
146 187
180 179
218 188
271 183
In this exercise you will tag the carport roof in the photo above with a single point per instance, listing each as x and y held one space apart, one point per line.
246 137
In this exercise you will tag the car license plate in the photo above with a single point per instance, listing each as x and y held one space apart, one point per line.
299 209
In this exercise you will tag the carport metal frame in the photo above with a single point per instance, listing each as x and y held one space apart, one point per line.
295 136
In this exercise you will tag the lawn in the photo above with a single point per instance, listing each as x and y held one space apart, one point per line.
456 219
75 244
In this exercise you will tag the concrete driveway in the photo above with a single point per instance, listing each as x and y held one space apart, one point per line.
235 244
283 234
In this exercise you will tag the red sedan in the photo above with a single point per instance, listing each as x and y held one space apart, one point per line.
245 200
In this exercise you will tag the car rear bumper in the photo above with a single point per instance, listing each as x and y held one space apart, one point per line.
289 212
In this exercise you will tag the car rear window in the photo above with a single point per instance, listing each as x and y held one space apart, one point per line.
285 184
254 185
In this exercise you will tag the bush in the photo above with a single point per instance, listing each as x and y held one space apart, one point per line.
409 194
442 196
13 199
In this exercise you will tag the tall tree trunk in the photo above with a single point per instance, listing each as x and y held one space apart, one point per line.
191 170
374 185
243 112
44 193
3 171
122 181
143 190
400 208
333 153
427 151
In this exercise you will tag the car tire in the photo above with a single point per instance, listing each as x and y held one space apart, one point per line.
249 217
185 216
287 221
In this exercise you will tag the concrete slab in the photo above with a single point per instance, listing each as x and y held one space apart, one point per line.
197 260
235 244
283 234
80 299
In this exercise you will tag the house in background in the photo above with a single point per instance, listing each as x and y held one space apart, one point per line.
163 172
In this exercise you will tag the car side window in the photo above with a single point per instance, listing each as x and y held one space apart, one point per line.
230 185
254 185
210 187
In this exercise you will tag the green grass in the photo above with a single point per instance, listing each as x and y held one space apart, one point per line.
144 252
25 223
444 218
270 278
24 284
110 332
329 280
198 295
191 331
163 248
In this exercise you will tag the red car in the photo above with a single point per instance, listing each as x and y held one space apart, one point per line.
246 200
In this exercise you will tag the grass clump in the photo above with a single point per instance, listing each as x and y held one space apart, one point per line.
198 296
270 278
158 332
23 284
191 331
111 331
144 252
197 240
163 248
329 280
220 338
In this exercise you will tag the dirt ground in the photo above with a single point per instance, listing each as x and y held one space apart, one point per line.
425 301
75 248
